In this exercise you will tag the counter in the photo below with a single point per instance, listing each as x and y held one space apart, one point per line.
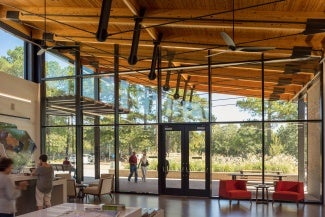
26 202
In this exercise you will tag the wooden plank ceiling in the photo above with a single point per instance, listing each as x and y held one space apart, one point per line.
188 30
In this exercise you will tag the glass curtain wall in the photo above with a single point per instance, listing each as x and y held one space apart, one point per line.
103 137
98 131
138 132
181 103
278 138
286 142
60 130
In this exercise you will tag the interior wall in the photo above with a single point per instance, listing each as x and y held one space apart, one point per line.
323 112
25 115
314 177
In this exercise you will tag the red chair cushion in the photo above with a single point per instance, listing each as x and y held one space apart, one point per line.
288 191
287 196
239 194
234 189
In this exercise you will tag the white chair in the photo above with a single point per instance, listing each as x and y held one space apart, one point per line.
71 188
104 187
108 175
105 175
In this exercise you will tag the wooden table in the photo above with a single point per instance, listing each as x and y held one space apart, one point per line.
265 191
80 193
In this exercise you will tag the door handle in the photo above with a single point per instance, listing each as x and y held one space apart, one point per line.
187 169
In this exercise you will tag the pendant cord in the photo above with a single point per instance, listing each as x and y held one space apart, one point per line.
44 35
233 20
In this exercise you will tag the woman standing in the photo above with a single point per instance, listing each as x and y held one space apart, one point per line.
8 191
144 163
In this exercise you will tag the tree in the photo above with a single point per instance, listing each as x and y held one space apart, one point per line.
235 140
13 63
273 110
288 135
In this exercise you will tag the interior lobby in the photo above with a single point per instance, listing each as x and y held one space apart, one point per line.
223 99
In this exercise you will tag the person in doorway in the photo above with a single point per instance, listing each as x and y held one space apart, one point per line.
133 160
144 164
9 192
43 190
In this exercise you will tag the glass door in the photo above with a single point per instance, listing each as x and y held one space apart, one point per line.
184 163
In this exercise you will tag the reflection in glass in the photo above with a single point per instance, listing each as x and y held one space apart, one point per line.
197 159
174 144
138 138
140 101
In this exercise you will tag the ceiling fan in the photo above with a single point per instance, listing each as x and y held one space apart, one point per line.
230 41
232 46
44 47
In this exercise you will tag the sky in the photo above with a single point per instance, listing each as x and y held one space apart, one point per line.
8 42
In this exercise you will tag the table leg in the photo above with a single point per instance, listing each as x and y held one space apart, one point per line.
81 193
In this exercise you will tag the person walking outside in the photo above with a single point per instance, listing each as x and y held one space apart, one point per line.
144 163
9 192
133 160
44 185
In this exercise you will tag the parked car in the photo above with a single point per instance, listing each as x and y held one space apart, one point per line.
72 159
87 159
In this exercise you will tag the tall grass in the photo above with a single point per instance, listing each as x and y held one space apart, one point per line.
283 163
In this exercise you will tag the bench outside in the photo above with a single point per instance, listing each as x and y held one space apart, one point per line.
255 176
63 167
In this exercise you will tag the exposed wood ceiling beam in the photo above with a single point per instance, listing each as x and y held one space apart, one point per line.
135 9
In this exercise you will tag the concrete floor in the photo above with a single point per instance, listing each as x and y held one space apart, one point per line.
176 206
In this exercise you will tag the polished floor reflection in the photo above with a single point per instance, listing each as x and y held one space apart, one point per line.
206 207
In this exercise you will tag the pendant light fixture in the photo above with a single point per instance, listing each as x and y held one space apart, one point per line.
133 59
102 33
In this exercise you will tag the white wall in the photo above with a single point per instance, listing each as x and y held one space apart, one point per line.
28 111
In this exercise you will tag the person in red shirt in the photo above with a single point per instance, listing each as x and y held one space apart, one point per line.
66 162
133 160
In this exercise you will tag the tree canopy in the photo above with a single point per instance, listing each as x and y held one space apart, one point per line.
13 63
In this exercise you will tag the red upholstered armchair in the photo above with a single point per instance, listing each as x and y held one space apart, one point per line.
288 191
234 190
